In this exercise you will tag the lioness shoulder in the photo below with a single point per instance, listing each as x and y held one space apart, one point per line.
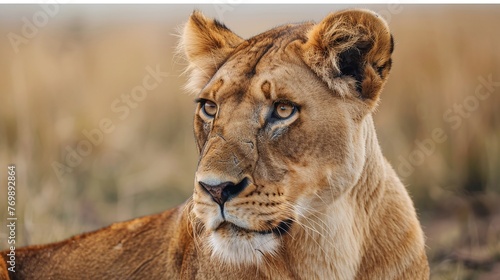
291 182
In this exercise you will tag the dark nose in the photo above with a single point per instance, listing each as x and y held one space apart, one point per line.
224 191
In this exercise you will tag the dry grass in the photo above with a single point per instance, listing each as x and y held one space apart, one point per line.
66 78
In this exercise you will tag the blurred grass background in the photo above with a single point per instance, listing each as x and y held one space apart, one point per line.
65 77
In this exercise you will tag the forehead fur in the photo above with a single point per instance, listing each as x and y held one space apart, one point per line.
248 54
264 52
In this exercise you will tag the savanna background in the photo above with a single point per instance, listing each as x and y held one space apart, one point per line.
62 75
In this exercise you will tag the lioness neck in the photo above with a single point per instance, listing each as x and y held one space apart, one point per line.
343 239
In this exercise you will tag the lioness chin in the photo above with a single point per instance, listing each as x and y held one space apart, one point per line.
291 182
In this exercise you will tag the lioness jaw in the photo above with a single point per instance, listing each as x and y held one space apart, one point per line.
291 182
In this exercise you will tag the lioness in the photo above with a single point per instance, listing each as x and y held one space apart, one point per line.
291 182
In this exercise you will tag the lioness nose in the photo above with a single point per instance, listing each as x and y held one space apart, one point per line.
224 191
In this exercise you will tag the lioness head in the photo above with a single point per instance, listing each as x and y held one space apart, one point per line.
280 125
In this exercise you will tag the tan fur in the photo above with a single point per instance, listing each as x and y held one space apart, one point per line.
3 270
309 196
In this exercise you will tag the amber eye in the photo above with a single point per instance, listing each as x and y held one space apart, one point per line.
284 110
209 108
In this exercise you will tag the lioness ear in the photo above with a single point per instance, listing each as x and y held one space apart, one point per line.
351 48
206 43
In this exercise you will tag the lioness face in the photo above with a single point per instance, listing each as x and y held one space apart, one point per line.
277 142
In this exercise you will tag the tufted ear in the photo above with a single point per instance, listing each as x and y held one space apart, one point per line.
351 50
206 44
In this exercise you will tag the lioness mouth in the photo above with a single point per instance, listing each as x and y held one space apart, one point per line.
281 229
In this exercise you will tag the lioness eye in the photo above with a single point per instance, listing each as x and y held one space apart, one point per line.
283 110
209 108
